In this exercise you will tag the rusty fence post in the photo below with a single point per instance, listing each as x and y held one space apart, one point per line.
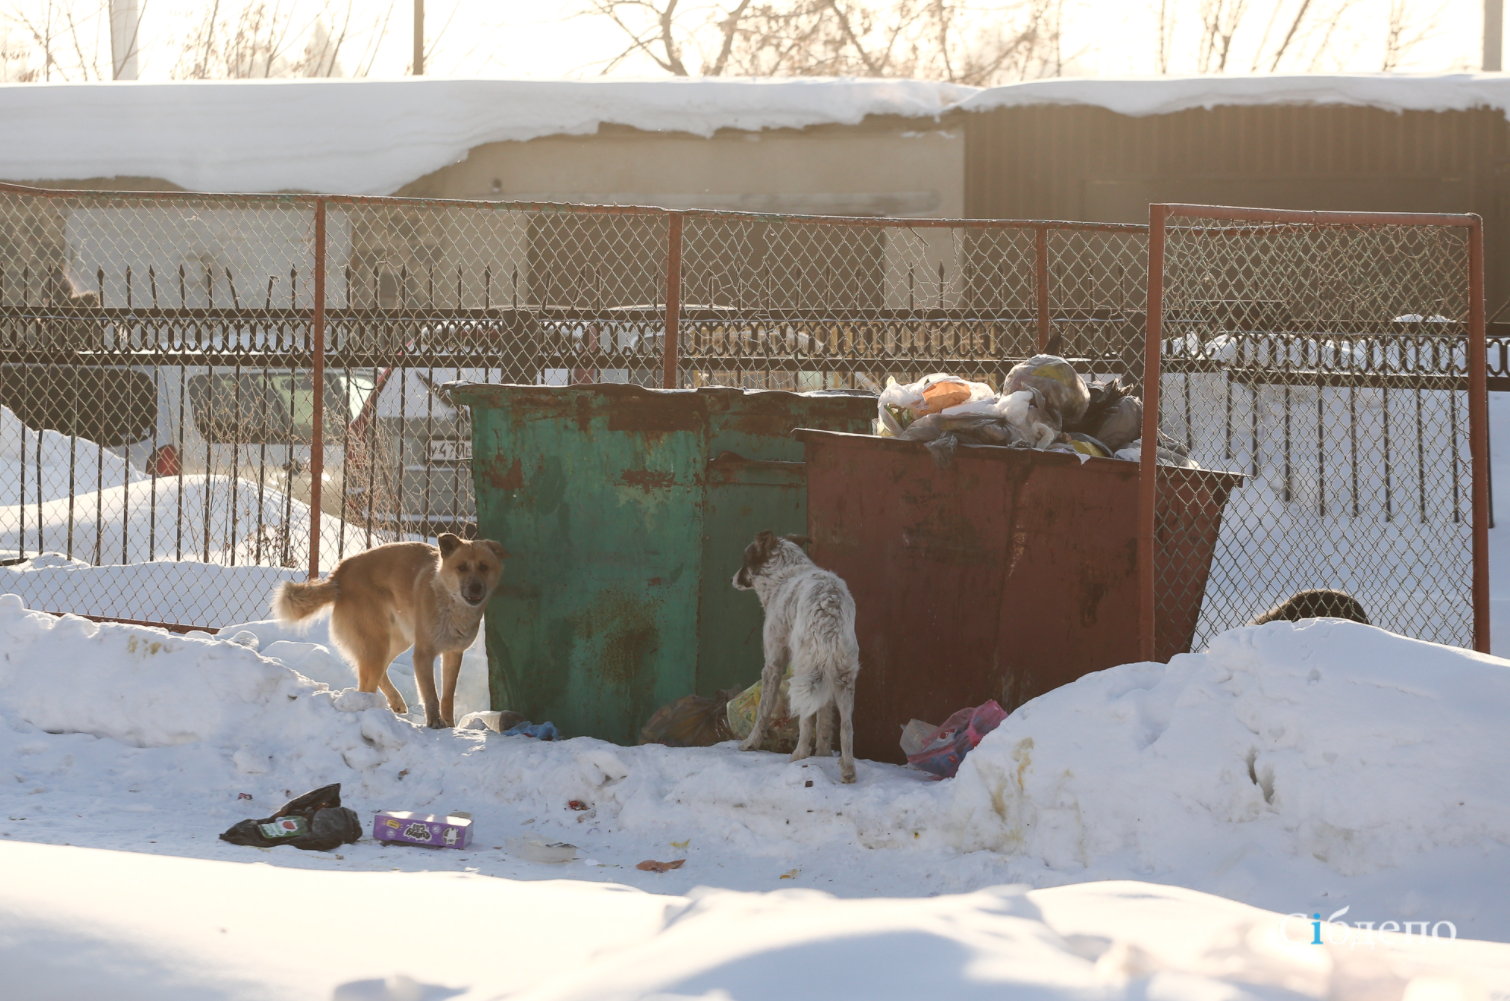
670 378
317 439
1148 488
1478 432
1041 283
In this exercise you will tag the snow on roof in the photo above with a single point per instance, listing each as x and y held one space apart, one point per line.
374 136
1162 95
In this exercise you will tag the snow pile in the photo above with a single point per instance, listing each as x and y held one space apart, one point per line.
83 923
374 136
1328 758
37 471
1325 739
221 518
74 504
187 592
307 648
1167 94
113 541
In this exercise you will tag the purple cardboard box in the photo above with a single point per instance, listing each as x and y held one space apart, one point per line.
422 829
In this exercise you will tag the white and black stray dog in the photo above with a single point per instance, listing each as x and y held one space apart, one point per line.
809 623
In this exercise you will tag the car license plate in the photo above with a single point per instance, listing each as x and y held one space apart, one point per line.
450 450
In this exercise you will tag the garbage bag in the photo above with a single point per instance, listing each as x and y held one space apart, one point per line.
915 735
1121 424
947 746
1028 413
899 405
1086 445
691 721
1164 456
315 821
540 731
1065 393
980 429
781 730
944 432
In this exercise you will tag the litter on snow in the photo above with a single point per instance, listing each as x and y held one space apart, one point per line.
452 830
943 749
315 821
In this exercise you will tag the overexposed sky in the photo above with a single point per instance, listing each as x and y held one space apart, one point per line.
546 38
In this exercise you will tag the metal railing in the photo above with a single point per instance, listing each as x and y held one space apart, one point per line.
255 383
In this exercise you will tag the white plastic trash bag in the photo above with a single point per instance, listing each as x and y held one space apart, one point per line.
899 405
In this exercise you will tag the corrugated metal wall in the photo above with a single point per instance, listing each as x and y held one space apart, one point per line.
1078 162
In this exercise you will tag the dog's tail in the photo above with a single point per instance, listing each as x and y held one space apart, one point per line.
294 602
834 674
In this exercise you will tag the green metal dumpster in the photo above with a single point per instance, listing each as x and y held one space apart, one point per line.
626 511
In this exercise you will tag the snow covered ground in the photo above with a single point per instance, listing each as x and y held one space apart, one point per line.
1296 769
99 924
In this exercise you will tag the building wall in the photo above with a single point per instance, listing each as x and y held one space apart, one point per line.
883 166
1077 162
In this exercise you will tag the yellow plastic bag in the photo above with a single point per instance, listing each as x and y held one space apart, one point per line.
781 732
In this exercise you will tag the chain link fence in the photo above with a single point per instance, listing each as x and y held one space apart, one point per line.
155 373
800 303
195 386
434 292
1323 374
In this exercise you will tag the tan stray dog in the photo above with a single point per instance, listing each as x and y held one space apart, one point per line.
401 595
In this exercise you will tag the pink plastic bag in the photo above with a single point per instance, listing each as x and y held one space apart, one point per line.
948 745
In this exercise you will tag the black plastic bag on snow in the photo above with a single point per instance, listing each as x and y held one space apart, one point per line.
315 821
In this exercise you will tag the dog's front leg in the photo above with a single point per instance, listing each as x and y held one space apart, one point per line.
770 688
424 680
450 670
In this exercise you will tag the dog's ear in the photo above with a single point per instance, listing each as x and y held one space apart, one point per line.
801 540
448 544
495 548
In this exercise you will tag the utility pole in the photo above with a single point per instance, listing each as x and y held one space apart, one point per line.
419 37
125 25
1494 33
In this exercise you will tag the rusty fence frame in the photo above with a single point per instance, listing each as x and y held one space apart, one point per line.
1041 313
1477 379
317 321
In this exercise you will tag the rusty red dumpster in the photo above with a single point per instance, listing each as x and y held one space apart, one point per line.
1009 574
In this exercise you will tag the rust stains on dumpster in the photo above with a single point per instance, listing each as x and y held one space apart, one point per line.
631 635
1093 587
511 478
665 414
648 479
541 406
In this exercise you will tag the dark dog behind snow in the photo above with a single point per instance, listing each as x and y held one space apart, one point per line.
1315 604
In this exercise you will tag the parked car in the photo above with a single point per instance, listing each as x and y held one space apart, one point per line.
409 465
254 424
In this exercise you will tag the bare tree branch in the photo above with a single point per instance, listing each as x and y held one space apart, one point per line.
1404 32
729 26
1300 16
